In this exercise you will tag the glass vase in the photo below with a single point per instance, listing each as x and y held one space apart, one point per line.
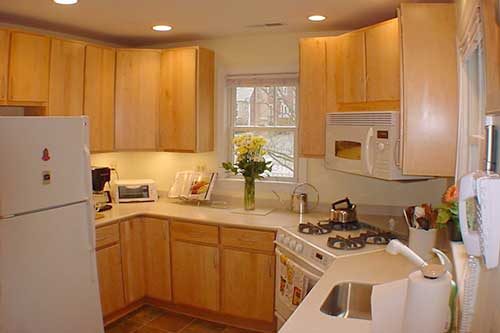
249 195
454 229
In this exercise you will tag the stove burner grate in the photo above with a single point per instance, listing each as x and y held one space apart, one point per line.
354 243
339 226
349 243
312 229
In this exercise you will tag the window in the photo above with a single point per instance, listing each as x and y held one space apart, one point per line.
267 105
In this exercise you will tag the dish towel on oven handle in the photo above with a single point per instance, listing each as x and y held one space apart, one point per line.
293 282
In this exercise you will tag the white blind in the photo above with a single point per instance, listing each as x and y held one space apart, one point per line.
262 80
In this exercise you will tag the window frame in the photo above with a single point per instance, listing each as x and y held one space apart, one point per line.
231 112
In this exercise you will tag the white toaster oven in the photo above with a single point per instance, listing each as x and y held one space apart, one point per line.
135 190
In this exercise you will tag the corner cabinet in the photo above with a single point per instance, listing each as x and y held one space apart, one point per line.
187 100
137 99
4 63
99 96
430 100
28 67
132 238
67 67
157 259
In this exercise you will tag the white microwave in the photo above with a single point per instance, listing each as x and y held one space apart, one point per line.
135 190
364 143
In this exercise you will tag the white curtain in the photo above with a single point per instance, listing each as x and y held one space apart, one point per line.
471 85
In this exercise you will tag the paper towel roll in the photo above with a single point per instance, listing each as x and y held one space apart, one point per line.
427 304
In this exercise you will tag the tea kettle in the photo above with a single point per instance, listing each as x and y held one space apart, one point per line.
344 214
299 198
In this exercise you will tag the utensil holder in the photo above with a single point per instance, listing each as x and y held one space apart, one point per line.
422 241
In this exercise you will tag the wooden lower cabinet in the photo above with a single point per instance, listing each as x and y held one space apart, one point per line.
109 268
131 238
157 259
248 284
195 275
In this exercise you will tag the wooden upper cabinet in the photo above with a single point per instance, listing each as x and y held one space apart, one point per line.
4 63
109 267
99 96
28 67
312 99
131 237
67 64
351 68
187 100
195 276
491 55
137 99
157 259
383 62
430 104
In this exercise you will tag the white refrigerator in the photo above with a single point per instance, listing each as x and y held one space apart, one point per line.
48 274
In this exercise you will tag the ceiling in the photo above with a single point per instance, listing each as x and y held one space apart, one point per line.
129 22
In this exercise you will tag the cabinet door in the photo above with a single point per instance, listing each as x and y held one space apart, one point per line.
248 284
99 96
195 276
157 259
351 68
492 54
109 267
137 99
312 97
29 67
383 62
430 104
67 61
178 123
4 63
131 236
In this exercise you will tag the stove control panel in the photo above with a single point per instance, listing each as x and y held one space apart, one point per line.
303 250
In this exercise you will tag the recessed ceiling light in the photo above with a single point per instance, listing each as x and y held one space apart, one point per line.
316 18
66 2
162 28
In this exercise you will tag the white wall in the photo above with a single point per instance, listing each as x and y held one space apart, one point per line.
266 53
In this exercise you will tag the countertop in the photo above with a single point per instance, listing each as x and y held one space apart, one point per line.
204 214
278 217
374 268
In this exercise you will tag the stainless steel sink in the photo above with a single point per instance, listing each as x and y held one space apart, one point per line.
349 300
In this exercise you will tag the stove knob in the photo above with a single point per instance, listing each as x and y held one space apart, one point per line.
292 243
380 146
280 238
286 240
299 247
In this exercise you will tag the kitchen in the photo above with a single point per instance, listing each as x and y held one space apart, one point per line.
147 251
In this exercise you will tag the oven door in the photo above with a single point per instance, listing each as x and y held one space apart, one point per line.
350 149
294 279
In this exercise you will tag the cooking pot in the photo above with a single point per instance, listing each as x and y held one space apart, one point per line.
344 214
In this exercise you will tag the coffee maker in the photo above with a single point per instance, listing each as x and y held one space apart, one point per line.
102 198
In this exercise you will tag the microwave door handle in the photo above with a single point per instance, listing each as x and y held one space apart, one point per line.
368 155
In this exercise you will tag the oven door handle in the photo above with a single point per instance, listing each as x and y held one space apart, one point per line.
306 272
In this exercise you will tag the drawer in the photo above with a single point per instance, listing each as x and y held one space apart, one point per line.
194 232
107 235
248 239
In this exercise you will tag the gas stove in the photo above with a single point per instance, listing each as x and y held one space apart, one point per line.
320 243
